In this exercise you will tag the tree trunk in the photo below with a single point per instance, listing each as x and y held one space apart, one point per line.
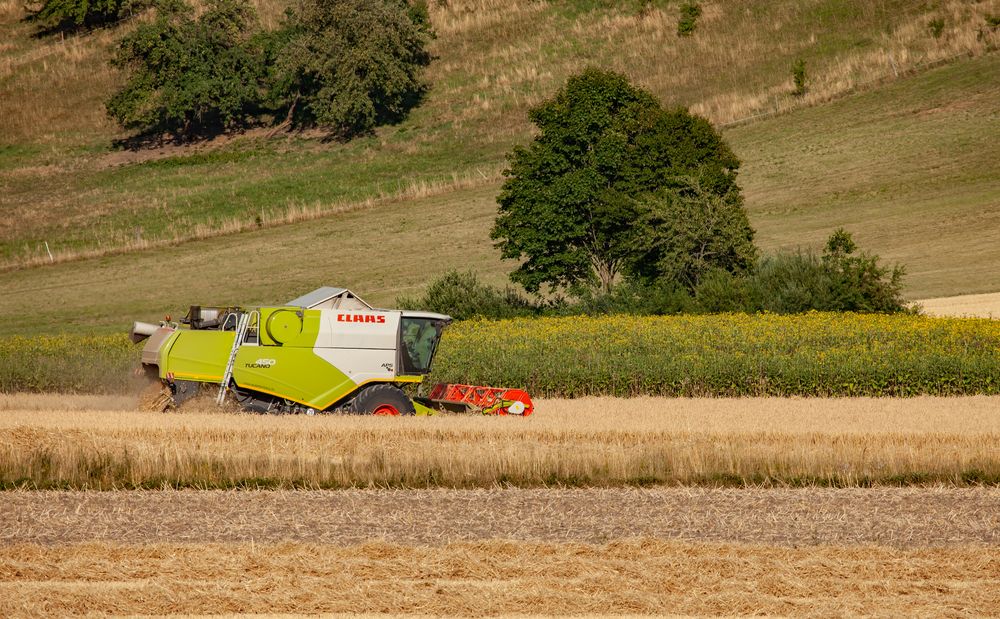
606 272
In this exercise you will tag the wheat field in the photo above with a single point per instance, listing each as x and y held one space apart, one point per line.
585 442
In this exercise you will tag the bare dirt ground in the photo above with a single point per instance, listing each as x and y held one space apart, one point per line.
980 305
496 577
896 517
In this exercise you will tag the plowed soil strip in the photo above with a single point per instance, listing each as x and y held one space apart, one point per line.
896 517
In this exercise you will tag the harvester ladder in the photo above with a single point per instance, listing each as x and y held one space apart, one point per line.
241 331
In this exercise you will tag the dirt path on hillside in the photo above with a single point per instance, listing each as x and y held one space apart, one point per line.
899 517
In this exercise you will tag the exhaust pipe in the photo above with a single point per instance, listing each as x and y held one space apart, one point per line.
142 330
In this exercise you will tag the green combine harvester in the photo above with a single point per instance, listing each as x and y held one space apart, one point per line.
327 351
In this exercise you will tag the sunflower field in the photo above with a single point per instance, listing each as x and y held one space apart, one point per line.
815 354
68 363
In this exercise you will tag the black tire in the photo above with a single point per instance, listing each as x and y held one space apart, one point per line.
382 399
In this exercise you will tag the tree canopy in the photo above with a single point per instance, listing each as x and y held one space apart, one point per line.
689 231
343 65
188 74
70 15
353 64
570 208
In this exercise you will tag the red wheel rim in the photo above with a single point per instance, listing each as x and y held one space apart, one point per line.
386 410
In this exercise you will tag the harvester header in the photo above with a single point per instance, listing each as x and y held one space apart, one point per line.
326 351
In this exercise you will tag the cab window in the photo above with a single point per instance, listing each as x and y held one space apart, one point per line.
418 339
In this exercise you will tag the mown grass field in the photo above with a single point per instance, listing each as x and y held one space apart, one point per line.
905 518
583 442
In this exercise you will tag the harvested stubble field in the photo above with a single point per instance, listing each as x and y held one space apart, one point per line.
981 305
495 577
585 442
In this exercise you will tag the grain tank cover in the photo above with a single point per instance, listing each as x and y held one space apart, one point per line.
329 297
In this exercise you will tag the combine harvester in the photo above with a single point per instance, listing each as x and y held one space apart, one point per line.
327 351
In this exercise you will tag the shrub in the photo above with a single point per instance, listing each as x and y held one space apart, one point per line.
690 12
188 75
463 296
936 27
721 291
628 297
799 77
840 280
858 282
791 283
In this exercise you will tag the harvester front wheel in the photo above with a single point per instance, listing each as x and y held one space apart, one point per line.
382 400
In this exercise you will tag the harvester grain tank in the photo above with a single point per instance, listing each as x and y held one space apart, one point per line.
326 351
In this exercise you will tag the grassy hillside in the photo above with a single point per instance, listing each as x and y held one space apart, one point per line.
911 169
912 179
909 164
64 184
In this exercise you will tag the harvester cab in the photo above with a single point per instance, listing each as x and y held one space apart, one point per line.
326 351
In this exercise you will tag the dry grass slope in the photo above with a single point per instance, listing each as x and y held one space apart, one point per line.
587 442
495 60
493 578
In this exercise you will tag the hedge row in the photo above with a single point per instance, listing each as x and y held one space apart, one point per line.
814 354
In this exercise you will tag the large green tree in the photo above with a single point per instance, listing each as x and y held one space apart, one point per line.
570 209
350 65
